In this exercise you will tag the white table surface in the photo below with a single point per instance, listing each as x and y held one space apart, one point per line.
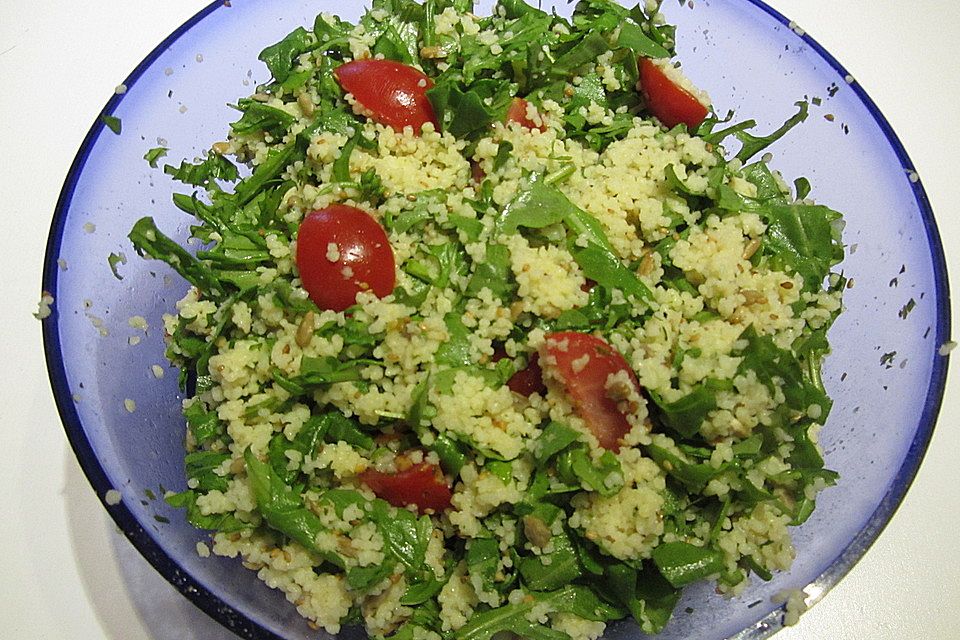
68 574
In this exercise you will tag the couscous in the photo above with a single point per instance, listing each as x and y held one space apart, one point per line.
495 334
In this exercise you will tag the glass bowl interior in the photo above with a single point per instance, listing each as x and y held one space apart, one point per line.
885 374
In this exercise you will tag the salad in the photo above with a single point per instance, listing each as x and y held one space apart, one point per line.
497 326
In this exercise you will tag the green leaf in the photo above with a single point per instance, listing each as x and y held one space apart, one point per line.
339 428
494 273
752 145
451 454
554 438
405 537
200 466
149 241
113 260
770 362
633 37
682 563
513 617
804 239
202 174
607 270
455 352
552 570
112 122
645 593
225 522
258 116
280 56
420 592
155 154
536 206
203 424
574 466
694 476
686 414
483 558
462 114
266 172
282 508
363 578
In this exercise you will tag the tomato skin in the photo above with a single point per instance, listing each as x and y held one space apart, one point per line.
477 172
422 485
586 387
518 113
364 262
668 102
395 94
528 380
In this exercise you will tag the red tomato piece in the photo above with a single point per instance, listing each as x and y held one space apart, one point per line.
668 102
477 172
395 94
528 380
518 113
583 363
341 251
422 485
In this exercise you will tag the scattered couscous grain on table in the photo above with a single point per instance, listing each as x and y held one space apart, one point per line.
496 334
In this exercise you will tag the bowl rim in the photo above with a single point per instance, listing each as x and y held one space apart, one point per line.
231 618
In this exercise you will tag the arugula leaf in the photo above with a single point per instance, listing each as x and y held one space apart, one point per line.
770 362
682 563
494 273
225 522
202 174
279 57
483 557
455 352
113 260
645 593
463 114
607 270
112 122
405 536
363 578
579 600
419 593
282 508
575 467
552 570
203 424
633 37
339 428
258 116
694 476
155 154
149 241
805 239
752 145
554 438
686 414
267 171
200 466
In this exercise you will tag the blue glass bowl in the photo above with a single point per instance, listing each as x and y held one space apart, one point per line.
885 374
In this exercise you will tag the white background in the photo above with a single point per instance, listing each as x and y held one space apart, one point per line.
68 574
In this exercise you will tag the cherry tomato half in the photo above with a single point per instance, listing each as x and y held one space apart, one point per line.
518 113
395 94
341 251
583 364
422 485
668 102
528 380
